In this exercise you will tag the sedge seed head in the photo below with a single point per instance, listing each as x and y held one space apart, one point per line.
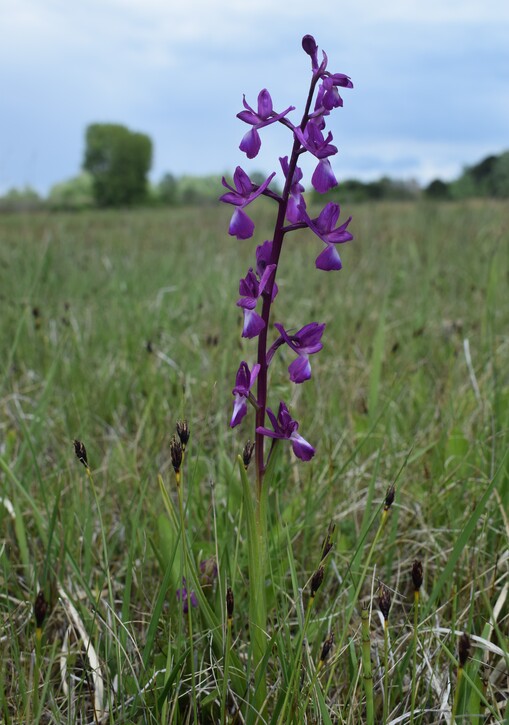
230 603
384 601
417 575
176 453
463 649
327 646
327 542
40 609
316 580
81 452
183 432
247 453
389 497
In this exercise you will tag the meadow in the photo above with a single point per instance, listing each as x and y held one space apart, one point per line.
116 325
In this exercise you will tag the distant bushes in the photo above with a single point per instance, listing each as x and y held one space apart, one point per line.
487 179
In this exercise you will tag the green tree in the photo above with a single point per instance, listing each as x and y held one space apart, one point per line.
501 176
118 160
75 193
437 189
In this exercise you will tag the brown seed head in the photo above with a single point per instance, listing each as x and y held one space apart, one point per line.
389 497
417 575
327 646
176 453
316 580
463 649
40 609
229 603
327 542
384 601
81 452
183 433
247 453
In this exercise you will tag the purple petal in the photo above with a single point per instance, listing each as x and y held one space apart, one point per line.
264 104
328 217
251 143
323 179
300 369
242 182
329 260
253 324
248 117
239 410
269 433
301 447
241 226
341 235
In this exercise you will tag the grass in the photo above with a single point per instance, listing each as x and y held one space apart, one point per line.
115 325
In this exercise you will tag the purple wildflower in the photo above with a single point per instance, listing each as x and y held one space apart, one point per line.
323 227
285 428
208 569
264 116
241 226
185 598
250 290
244 381
313 140
305 342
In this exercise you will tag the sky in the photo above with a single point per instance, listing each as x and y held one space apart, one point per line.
430 81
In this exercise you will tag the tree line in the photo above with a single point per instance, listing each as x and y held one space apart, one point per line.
117 162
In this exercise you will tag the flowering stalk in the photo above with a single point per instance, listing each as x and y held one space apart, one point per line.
308 137
260 283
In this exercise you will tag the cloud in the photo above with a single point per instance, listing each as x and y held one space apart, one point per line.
430 79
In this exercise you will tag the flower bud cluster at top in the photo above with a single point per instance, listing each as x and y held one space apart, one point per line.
259 284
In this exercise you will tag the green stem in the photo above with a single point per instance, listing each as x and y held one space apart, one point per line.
456 695
386 672
187 565
367 672
414 668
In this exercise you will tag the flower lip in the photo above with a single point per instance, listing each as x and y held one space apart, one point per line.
285 428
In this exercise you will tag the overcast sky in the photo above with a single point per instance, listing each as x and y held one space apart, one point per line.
431 81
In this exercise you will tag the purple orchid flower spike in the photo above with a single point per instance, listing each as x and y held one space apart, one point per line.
264 116
285 428
184 597
244 381
307 341
241 226
250 290
323 227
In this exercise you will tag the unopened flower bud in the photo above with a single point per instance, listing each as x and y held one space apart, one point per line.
183 432
81 452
